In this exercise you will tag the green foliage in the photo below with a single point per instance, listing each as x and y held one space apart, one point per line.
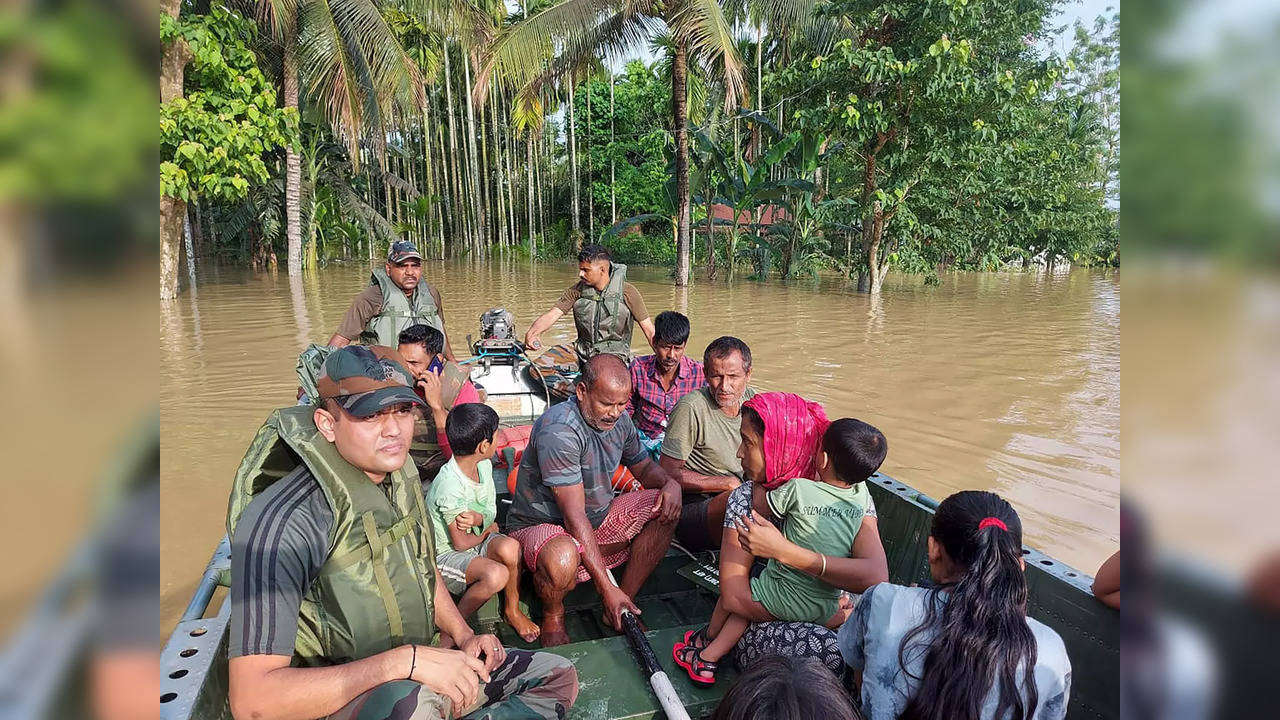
963 146
75 123
214 140
641 129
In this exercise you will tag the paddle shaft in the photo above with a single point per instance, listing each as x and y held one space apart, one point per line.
658 680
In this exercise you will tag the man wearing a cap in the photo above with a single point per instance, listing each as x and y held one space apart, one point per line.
395 298
335 596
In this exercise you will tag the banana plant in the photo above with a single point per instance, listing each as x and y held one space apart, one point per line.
745 186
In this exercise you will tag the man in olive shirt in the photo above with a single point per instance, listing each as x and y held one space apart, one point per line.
701 446
604 305
379 314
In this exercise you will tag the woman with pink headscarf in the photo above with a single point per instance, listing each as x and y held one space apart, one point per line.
781 441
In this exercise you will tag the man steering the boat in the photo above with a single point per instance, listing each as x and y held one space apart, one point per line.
335 598
570 527
605 309
395 298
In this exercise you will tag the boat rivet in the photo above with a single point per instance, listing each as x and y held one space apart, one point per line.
189 652
168 697
178 674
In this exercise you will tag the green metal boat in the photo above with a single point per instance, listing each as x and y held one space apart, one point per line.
679 596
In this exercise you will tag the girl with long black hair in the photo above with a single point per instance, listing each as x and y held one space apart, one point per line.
965 649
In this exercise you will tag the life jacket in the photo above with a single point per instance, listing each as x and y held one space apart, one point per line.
603 319
425 448
399 311
376 588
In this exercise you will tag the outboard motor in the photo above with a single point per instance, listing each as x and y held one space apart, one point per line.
497 343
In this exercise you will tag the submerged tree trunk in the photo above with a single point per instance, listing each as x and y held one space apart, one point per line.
292 162
173 211
679 118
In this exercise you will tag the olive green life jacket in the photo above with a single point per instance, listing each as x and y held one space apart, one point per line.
399 312
376 588
425 447
604 322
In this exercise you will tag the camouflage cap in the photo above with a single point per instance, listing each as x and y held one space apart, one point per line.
401 251
364 380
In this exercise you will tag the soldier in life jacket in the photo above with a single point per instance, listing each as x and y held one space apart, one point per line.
395 298
335 596
605 309
441 384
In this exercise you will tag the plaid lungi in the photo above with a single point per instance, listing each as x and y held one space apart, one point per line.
627 516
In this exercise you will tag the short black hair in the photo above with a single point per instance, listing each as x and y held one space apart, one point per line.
592 253
470 424
787 688
592 369
424 335
670 328
725 344
856 449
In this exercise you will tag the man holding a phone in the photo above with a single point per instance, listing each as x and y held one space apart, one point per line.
442 384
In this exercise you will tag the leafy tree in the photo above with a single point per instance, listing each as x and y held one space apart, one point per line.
216 137
927 86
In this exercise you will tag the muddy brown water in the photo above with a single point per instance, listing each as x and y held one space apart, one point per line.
1006 381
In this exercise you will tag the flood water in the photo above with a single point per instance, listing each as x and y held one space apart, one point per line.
1007 382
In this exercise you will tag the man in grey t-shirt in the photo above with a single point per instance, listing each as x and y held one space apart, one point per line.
564 514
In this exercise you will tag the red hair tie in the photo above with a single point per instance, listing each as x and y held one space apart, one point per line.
993 522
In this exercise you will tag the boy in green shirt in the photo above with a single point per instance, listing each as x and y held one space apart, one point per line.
822 515
475 560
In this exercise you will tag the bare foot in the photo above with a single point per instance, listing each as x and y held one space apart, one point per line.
553 632
521 623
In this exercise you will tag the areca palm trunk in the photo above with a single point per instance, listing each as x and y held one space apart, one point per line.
476 183
501 235
511 178
458 215
679 117
591 206
292 163
613 190
528 163
573 172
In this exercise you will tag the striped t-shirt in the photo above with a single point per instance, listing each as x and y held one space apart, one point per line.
279 546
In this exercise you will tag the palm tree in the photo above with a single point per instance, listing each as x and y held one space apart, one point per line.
535 53
354 68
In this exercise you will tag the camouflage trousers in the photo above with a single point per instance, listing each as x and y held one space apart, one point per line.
529 685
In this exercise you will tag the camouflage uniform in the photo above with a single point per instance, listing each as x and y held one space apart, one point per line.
532 685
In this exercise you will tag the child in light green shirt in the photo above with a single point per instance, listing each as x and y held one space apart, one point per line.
475 560
823 516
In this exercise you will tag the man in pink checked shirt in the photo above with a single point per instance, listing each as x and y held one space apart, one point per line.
442 384
658 381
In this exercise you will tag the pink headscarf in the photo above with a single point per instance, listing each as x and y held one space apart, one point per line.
793 429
